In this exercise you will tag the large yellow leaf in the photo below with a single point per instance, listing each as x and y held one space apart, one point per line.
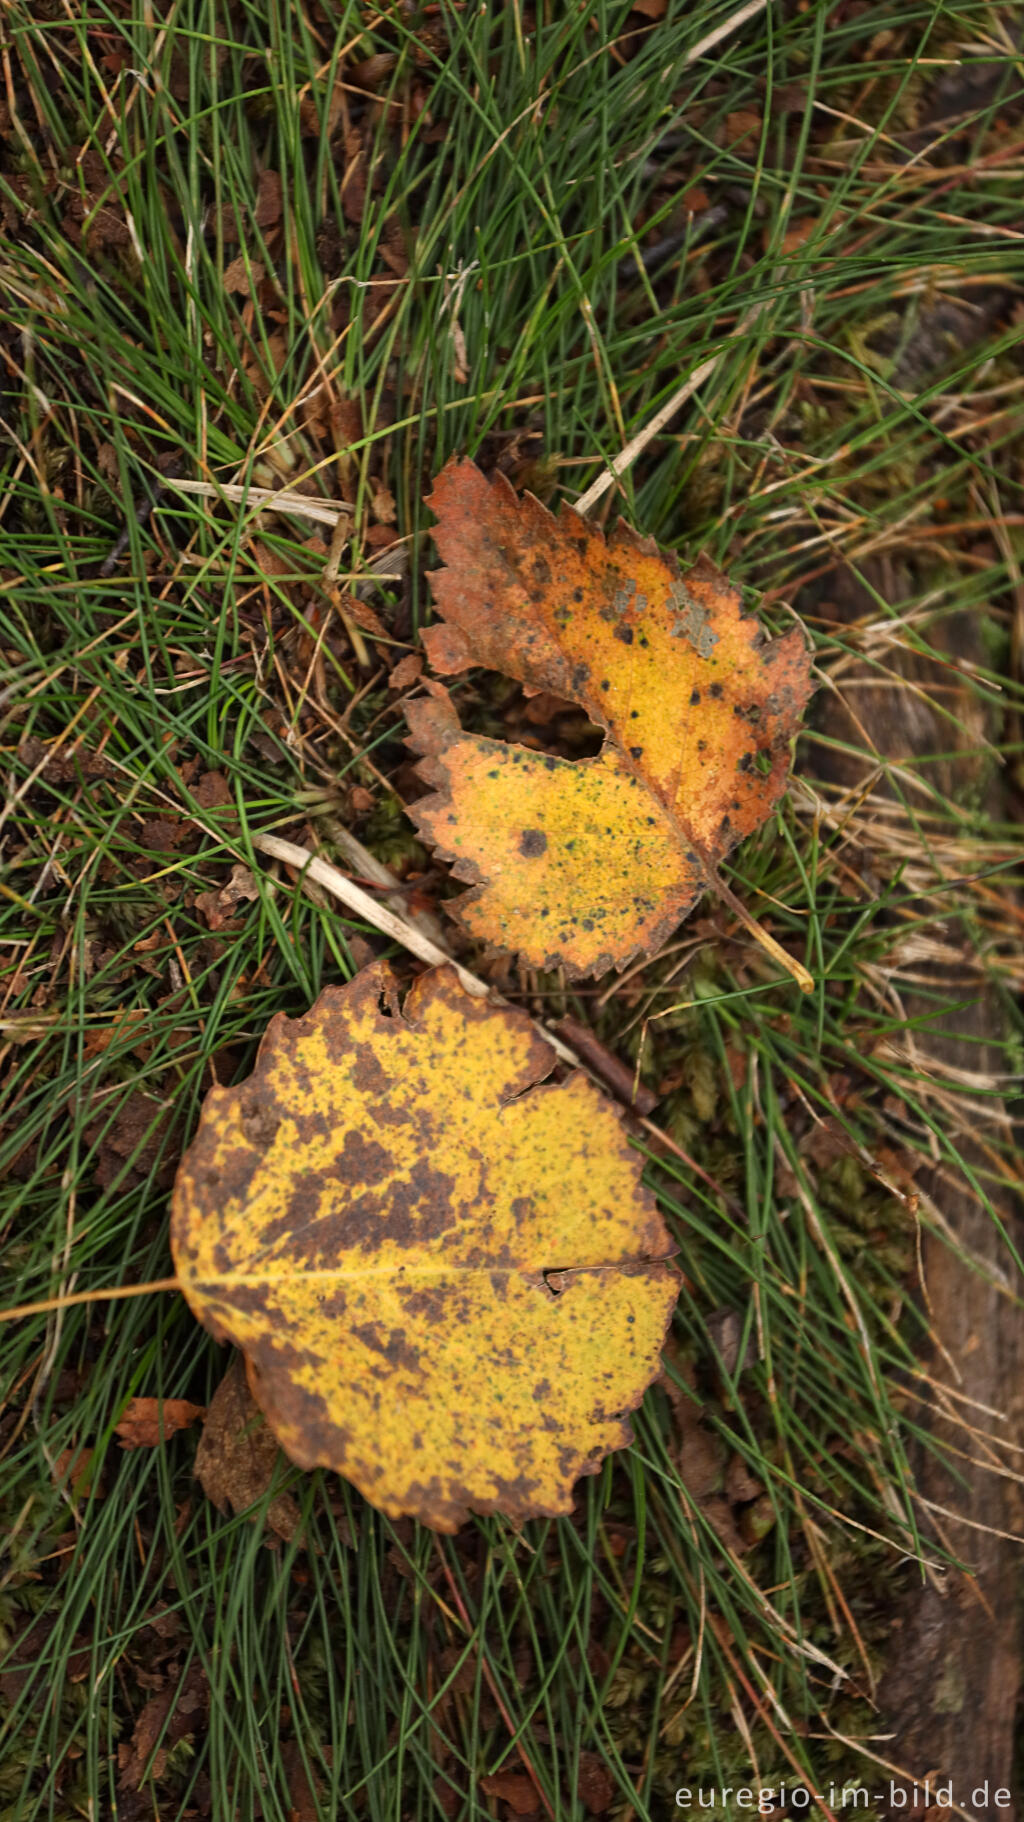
588 863
448 1284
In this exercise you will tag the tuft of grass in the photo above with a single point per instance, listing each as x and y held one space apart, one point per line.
325 247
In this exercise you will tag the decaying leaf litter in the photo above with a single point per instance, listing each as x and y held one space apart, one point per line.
753 502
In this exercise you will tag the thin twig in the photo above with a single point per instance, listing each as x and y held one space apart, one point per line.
725 30
380 916
276 499
279 498
389 923
369 867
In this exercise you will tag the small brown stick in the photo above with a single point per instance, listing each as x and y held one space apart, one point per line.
605 1064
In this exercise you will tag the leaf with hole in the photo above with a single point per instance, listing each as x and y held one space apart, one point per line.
587 863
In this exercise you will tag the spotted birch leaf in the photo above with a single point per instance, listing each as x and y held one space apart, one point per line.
588 863
448 1282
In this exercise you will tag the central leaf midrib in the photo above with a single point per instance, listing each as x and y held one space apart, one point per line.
338 1273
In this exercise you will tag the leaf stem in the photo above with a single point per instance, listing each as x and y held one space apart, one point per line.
389 923
107 1296
799 973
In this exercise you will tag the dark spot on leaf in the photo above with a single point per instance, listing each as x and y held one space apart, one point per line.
694 698
391 1344
258 1123
715 690
533 841
625 633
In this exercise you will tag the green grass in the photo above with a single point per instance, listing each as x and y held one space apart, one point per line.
521 168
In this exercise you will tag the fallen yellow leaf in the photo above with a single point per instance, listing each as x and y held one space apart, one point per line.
448 1283
587 863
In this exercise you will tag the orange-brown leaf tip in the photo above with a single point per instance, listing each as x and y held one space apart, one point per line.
698 710
449 1283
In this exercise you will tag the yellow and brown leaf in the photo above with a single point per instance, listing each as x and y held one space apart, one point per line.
588 863
448 1283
